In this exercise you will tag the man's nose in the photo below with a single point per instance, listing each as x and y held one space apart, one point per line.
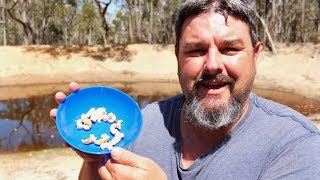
213 63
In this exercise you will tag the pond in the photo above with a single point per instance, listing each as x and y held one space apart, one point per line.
26 124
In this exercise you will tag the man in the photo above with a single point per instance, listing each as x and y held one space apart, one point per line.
217 129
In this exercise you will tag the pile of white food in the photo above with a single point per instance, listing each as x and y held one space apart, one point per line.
97 116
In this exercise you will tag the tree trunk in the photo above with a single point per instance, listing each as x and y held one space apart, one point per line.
3 22
273 19
283 20
4 33
302 21
23 12
318 22
29 34
102 13
65 32
272 46
150 23
130 26
138 20
90 37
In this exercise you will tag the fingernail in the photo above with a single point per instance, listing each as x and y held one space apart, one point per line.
116 153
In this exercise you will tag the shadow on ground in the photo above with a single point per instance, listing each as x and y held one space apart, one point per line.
99 53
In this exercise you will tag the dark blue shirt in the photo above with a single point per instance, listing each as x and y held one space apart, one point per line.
271 141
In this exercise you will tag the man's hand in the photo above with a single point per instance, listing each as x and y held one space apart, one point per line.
91 162
122 165
60 97
127 165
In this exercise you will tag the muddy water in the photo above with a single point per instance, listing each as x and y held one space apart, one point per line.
26 124
299 103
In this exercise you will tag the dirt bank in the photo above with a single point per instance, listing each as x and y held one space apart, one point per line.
294 69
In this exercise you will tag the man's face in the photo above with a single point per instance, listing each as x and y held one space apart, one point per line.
216 60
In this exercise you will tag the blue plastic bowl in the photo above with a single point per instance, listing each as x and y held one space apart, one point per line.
80 102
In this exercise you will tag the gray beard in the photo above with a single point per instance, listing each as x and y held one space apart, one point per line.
215 118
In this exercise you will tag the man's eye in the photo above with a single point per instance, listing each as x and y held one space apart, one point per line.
197 52
229 51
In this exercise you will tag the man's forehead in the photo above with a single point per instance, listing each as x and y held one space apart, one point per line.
215 18
211 17
228 27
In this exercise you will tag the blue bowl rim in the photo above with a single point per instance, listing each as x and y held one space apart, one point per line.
93 87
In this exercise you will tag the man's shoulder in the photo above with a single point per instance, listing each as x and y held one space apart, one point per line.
282 136
281 127
277 114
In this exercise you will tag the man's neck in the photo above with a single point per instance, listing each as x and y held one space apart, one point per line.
198 141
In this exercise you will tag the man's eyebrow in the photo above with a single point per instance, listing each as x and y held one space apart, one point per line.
231 42
190 45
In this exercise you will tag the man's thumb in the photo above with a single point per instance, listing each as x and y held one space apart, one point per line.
127 158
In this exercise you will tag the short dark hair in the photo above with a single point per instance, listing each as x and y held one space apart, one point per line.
239 9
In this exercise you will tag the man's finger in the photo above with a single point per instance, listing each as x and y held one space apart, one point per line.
60 97
121 171
127 165
127 158
53 113
73 86
104 173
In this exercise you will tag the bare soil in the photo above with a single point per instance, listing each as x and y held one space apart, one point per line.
38 70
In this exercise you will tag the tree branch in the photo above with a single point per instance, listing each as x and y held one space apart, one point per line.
273 49
11 15
106 4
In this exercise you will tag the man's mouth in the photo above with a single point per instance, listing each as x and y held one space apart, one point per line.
214 83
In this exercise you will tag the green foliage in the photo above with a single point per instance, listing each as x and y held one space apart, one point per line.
76 22
88 24
88 16
14 34
56 35
72 3
315 37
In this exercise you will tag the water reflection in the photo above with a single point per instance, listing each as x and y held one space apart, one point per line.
299 103
26 124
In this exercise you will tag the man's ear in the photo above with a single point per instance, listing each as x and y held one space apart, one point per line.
256 51
176 51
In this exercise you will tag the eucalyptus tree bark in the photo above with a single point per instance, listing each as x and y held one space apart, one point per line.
138 19
278 20
26 23
3 22
5 31
130 26
272 46
283 20
273 19
89 37
48 12
318 22
150 35
30 33
102 6
30 36
66 38
302 21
